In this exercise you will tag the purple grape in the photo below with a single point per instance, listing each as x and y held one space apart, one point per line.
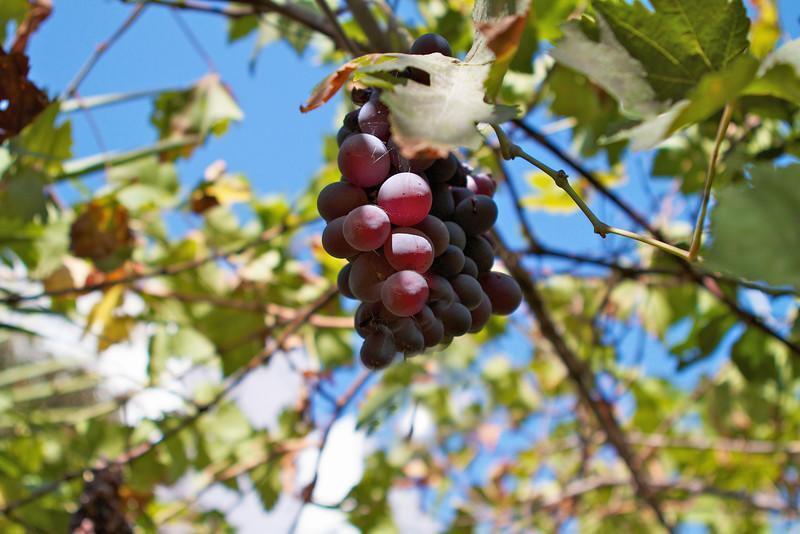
364 160
367 228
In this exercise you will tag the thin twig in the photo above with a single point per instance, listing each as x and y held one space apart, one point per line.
325 8
697 236
194 42
98 53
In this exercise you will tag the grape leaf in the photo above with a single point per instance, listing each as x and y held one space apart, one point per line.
680 40
427 120
779 74
758 220
609 65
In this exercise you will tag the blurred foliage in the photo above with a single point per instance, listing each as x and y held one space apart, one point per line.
489 432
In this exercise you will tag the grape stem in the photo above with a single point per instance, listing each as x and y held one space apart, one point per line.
510 150
697 236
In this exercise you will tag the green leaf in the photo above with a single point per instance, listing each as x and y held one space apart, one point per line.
608 64
680 41
779 74
205 109
753 221
144 183
43 145
754 357
267 483
333 347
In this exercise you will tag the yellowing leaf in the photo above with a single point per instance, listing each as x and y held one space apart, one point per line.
549 197
102 312
116 330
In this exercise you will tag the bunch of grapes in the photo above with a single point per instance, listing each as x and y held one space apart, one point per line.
414 233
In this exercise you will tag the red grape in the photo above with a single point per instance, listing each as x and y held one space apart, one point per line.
457 319
476 214
373 118
468 290
481 314
364 160
408 248
338 199
404 293
406 198
367 228
435 230
333 240
369 272
378 349
503 292
484 185
430 43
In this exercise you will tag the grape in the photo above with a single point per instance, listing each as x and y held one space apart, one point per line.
457 236
420 165
433 334
370 270
442 170
457 319
363 160
460 194
333 240
440 289
404 293
481 314
408 248
476 214
360 95
408 338
442 204
503 292
338 199
351 120
425 317
436 231
378 349
430 43
470 267
343 282
450 263
471 184
481 252
373 118
459 179
406 198
367 228
365 318
484 185
468 290
343 133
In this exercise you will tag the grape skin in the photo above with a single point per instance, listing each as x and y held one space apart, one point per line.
440 289
368 273
408 338
480 250
503 292
367 228
457 236
378 349
406 198
468 290
363 160
343 282
436 232
450 263
476 214
481 314
404 293
337 199
373 118
333 240
470 267
442 204
433 333
457 319
406 250
442 170
430 43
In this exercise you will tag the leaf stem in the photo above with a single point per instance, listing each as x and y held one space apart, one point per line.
509 150
697 236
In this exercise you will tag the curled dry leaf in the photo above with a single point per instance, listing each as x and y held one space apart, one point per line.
20 100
